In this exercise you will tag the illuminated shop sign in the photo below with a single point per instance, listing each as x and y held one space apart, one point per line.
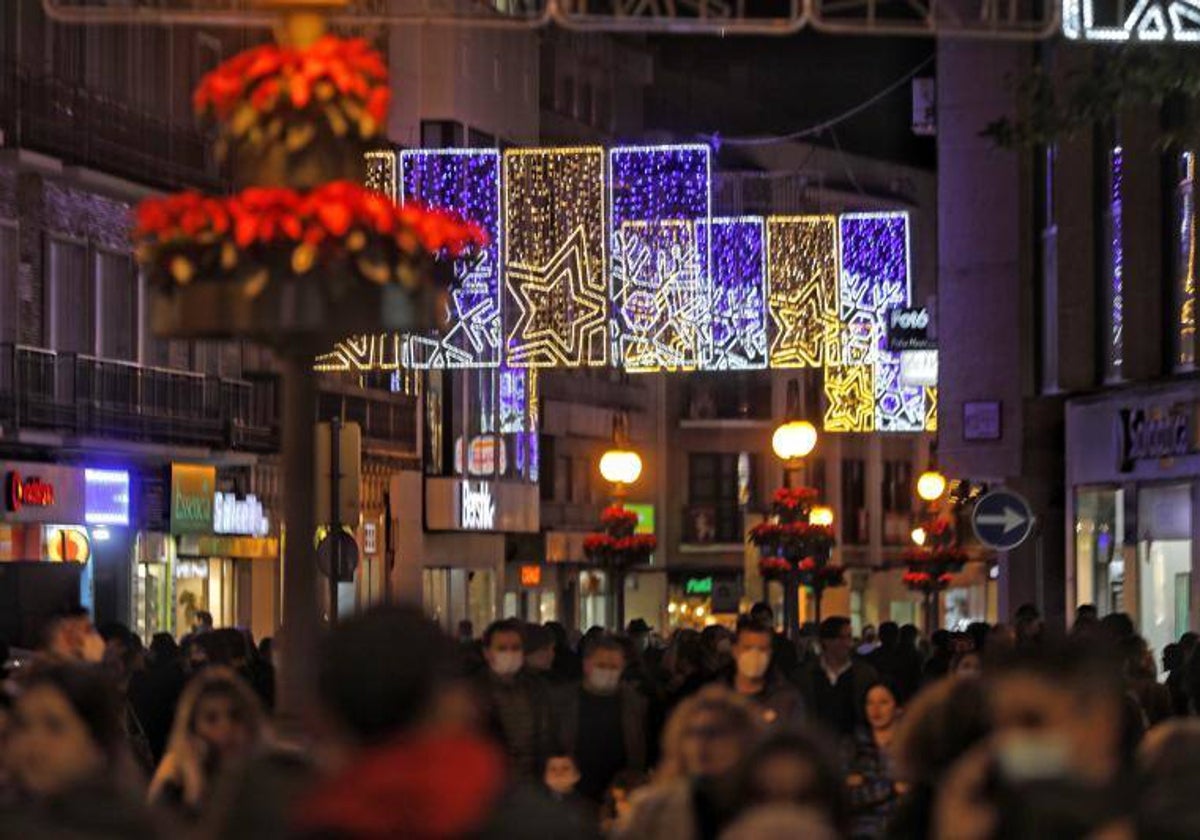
106 497
1156 434
908 329
240 517
66 544
478 510
531 576
698 586
192 498
21 492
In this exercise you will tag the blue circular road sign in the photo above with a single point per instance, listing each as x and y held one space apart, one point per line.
1002 520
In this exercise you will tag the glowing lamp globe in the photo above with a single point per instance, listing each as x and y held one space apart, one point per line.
821 515
918 536
931 485
794 440
620 466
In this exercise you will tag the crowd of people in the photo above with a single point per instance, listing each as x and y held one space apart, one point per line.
1005 731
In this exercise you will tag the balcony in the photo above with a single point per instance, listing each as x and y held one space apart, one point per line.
81 127
85 396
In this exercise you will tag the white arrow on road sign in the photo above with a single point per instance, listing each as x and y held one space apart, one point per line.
1010 519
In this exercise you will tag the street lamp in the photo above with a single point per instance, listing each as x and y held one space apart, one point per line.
919 535
821 515
794 439
621 466
931 485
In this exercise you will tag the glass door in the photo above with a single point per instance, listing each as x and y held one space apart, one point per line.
1164 561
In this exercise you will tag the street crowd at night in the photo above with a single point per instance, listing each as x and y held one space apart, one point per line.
1004 731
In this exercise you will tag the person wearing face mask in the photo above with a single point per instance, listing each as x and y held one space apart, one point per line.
603 719
72 638
519 704
753 677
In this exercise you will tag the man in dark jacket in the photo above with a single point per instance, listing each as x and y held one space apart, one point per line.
835 686
603 720
519 703
755 677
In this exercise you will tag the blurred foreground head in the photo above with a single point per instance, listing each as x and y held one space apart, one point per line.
380 671
1068 693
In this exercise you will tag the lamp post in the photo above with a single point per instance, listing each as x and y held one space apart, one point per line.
620 466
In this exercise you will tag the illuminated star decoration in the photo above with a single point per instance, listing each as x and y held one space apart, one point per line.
849 399
466 181
1148 21
738 278
802 290
381 173
661 316
560 315
555 260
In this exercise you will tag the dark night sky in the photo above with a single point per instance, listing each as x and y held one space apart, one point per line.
751 86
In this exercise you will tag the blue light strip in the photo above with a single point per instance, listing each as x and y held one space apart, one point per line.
659 285
466 181
739 289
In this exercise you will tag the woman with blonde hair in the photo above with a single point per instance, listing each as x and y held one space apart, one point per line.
218 724
695 790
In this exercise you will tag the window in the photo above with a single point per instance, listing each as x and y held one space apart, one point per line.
480 140
566 95
441 134
1183 235
715 492
72 297
583 107
854 501
546 486
564 478
897 486
118 306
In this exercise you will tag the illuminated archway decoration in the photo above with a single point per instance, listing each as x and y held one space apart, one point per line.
466 181
738 277
802 289
850 398
555 259
1147 21
659 196
363 354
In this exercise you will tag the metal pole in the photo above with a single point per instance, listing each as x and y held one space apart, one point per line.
300 612
335 514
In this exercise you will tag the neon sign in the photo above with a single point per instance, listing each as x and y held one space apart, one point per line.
26 492
477 508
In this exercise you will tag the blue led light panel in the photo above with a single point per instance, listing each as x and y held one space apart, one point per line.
875 278
738 277
467 182
555 257
659 197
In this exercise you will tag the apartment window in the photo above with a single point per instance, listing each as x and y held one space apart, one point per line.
854 501
547 483
564 478
603 117
441 134
716 489
1112 338
72 297
9 314
897 486
566 95
1184 235
117 282
480 139
583 107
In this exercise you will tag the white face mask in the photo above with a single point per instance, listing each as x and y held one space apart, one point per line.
506 663
752 664
604 680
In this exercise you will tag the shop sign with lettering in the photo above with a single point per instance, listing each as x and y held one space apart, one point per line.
908 328
476 507
1152 435
42 493
240 517
192 495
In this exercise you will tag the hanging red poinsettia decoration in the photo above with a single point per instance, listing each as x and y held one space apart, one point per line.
787 540
270 231
273 93
927 582
616 543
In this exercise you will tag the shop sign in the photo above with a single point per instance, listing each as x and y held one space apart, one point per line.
21 492
46 493
106 497
698 586
370 538
66 544
908 329
1153 435
485 455
477 509
191 568
192 498
645 518
919 368
531 576
240 517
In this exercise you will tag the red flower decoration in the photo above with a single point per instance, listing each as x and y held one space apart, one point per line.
272 78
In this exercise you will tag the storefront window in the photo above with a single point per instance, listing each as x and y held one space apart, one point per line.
1099 564
451 595
1164 562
